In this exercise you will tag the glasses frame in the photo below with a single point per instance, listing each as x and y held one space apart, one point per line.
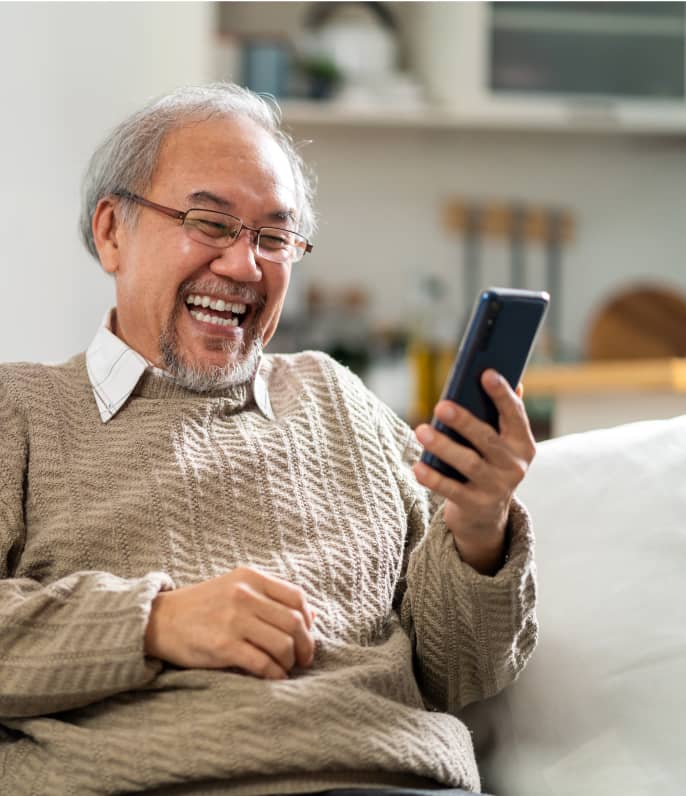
180 215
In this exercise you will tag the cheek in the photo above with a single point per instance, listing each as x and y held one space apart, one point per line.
279 289
186 247
276 292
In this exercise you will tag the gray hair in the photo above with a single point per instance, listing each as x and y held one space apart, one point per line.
127 158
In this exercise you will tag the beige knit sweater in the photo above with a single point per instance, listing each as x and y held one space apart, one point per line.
178 487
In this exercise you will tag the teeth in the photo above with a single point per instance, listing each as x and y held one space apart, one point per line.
201 316
215 304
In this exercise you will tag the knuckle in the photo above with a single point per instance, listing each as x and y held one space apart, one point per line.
286 650
480 470
472 464
294 622
260 664
242 593
253 660
298 594
491 439
519 470
241 574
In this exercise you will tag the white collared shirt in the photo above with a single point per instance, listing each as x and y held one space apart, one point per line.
114 370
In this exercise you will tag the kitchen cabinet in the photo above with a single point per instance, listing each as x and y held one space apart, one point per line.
472 59
577 66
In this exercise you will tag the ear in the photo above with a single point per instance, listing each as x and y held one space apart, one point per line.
106 228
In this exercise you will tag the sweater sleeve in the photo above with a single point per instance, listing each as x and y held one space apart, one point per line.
472 634
75 640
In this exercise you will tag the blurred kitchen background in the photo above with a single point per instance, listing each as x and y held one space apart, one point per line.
456 146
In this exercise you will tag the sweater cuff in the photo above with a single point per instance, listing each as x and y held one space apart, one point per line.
505 621
519 552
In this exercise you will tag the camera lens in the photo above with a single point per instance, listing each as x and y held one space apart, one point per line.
495 307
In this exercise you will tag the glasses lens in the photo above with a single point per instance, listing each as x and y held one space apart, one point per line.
214 229
281 245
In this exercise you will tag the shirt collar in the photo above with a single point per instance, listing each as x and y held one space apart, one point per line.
114 370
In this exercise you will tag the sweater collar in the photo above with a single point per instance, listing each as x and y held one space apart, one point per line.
115 370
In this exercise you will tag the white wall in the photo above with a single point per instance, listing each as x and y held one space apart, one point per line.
628 196
70 72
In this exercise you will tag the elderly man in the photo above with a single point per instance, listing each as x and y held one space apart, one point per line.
226 572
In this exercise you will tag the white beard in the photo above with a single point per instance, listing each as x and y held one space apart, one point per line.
206 378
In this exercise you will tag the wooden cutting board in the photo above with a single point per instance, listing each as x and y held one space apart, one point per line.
643 322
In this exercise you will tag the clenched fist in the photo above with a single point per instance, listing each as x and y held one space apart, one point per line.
244 619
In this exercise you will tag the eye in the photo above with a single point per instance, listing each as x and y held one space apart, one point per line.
211 228
274 240
208 225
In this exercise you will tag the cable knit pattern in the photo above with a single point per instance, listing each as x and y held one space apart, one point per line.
178 487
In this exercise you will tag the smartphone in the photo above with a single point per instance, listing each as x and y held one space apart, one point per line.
500 335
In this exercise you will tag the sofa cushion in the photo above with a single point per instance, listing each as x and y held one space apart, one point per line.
601 706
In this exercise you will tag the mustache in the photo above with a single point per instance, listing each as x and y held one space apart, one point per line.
222 289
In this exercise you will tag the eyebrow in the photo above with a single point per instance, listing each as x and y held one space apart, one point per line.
207 197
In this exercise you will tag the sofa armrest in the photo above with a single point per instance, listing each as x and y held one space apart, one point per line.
600 707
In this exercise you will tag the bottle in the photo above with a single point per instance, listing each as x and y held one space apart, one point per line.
432 346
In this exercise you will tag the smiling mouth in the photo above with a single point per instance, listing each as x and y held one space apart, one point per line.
216 311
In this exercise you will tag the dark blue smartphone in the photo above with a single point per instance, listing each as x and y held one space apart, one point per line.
500 335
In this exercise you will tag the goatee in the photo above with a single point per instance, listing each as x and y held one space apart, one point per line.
242 357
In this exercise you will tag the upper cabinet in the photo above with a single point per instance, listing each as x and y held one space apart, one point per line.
573 66
592 65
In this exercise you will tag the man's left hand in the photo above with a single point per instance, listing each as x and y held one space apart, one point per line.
476 512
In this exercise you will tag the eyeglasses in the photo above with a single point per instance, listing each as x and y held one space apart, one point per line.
222 230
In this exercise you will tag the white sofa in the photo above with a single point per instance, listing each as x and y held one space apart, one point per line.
601 708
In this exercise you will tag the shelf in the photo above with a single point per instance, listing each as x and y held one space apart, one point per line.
612 376
525 115
562 21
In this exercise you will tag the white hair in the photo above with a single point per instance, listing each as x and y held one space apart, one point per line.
127 159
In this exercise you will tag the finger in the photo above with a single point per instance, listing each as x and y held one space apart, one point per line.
509 405
256 661
280 646
448 488
487 441
473 506
287 594
520 390
470 463
289 621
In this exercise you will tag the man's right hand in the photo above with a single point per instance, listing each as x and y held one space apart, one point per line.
243 619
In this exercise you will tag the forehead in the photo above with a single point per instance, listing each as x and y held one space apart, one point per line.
234 158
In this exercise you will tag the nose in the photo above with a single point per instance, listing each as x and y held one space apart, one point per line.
238 260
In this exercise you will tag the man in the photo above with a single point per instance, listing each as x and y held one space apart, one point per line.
223 572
